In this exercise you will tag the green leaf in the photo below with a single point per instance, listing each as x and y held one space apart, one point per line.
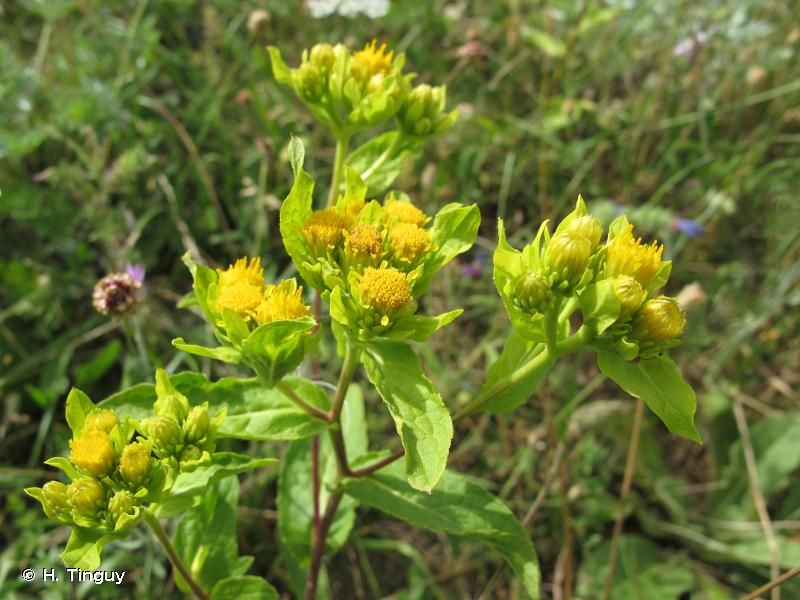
281 72
205 538
599 305
295 211
204 280
221 353
248 587
297 154
276 349
659 384
457 506
517 351
78 407
420 416
420 327
253 412
454 230
380 160
189 486
84 548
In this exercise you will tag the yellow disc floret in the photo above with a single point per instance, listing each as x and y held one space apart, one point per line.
409 242
399 211
325 228
385 289
631 257
364 241
372 61
282 302
93 452
241 286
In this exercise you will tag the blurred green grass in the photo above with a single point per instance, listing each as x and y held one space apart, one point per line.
132 131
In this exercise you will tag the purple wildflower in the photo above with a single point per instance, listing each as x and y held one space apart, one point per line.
135 272
688 227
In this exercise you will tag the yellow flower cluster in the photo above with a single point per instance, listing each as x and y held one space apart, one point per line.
243 290
385 290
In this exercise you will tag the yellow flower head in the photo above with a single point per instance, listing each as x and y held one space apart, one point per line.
633 258
409 242
93 452
282 302
102 419
399 211
241 286
364 241
372 61
325 228
134 463
385 289
658 320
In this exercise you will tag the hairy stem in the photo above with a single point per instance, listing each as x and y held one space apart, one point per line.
338 167
627 481
163 538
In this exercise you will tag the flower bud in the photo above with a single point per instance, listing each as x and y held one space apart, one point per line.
101 419
568 255
191 453
93 452
586 227
196 425
658 320
309 82
86 496
135 463
54 500
629 293
163 431
322 56
121 503
532 292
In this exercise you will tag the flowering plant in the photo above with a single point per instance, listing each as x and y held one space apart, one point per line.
150 452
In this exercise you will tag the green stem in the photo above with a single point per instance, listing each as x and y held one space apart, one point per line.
571 344
551 326
295 397
345 377
338 167
163 538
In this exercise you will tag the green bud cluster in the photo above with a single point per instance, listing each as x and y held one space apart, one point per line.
423 111
115 477
611 283
349 91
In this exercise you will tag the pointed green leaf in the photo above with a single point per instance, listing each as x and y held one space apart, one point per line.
189 486
457 506
659 384
84 548
420 416
280 70
221 353
78 407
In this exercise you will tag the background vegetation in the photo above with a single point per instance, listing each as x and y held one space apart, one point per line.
131 131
